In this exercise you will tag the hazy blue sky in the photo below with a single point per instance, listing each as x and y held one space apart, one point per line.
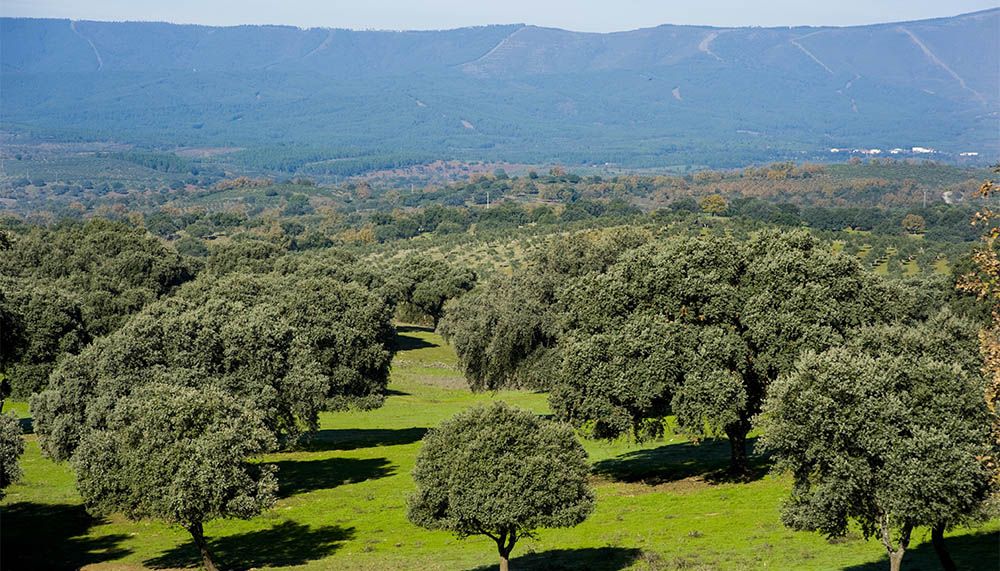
587 15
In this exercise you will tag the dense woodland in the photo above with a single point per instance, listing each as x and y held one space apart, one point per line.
831 328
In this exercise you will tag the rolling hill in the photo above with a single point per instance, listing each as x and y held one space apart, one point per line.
315 100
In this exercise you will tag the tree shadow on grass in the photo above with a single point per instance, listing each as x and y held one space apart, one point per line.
674 462
406 342
590 558
979 550
27 425
355 438
285 544
53 536
301 476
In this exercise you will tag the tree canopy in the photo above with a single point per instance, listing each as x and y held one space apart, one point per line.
178 454
11 448
505 331
293 345
73 282
115 269
731 314
626 330
501 472
426 284
888 431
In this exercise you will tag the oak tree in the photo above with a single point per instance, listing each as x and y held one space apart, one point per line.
732 315
500 472
181 455
292 345
888 431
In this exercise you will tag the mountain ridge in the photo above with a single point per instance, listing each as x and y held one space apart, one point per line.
658 95
975 13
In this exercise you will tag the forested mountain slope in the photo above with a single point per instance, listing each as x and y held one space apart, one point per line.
650 97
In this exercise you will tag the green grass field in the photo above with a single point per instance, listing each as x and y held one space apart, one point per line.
343 505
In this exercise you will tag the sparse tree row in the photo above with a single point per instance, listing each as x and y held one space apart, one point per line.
163 381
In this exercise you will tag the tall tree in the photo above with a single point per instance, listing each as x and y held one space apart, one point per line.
888 432
619 381
734 315
74 282
292 345
47 322
505 331
984 281
11 334
500 472
179 455
114 269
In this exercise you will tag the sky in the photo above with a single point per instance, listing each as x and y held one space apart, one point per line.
581 15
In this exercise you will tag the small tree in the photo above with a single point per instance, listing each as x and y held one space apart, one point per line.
180 455
500 472
427 284
11 448
914 224
714 204
888 432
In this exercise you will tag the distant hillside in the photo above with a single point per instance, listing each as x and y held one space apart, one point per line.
319 99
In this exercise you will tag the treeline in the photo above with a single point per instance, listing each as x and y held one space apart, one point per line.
311 161
938 222
935 244
883 184
869 188
163 162
296 216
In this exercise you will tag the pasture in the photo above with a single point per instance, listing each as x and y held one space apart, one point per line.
660 505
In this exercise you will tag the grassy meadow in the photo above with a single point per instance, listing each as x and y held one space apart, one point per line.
343 505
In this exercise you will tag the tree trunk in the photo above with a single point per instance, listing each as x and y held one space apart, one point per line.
895 553
739 466
505 544
937 540
196 531
895 560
